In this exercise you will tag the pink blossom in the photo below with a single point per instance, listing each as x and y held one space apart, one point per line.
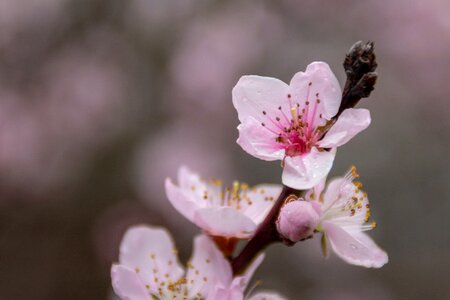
297 220
149 269
232 212
293 122
345 213
266 296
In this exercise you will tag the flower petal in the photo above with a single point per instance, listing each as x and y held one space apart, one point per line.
258 140
356 248
183 203
254 94
314 193
266 296
207 268
333 192
222 293
262 198
305 171
242 281
238 285
351 122
188 196
150 252
224 221
317 82
127 284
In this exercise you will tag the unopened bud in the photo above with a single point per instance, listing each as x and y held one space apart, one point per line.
297 220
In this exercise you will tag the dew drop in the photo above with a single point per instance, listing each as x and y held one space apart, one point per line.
353 246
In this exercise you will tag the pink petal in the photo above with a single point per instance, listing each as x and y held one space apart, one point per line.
351 122
314 193
262 198
207 269
127 284
187 197
355 248
332 192
258 140
254 94
182 202
305 171
236 289
224 221
222 293
187 179
150 252
324 84
242 281
266 296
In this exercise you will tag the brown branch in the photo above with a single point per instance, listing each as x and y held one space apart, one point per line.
265 235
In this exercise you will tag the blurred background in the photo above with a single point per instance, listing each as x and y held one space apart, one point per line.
101 100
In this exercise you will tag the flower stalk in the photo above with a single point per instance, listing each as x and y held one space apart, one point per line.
265 235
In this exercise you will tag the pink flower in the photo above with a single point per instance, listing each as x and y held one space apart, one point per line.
293 122
345 212
149 269
232 212
297 220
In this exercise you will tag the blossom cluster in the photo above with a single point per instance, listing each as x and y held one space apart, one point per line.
301 124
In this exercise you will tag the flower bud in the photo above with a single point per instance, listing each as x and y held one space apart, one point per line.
297 220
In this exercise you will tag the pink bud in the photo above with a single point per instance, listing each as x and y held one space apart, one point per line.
297 220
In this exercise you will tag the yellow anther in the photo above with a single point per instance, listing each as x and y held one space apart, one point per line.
235 188
294 115
354 172
374 224
358 184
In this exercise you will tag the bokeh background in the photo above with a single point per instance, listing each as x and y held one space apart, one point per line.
100 100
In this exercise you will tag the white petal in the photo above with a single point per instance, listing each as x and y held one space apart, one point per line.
207 269
351 122
254 94
323 83
224 221
262 198
258 140
127 284
267 296
355 248
151 253
305 171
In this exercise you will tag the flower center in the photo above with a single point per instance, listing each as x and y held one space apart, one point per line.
302 134
236 196
351 207
298 130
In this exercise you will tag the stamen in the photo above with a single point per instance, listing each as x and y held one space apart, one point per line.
294 115
235 188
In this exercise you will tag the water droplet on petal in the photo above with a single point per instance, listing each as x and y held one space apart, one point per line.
354 247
